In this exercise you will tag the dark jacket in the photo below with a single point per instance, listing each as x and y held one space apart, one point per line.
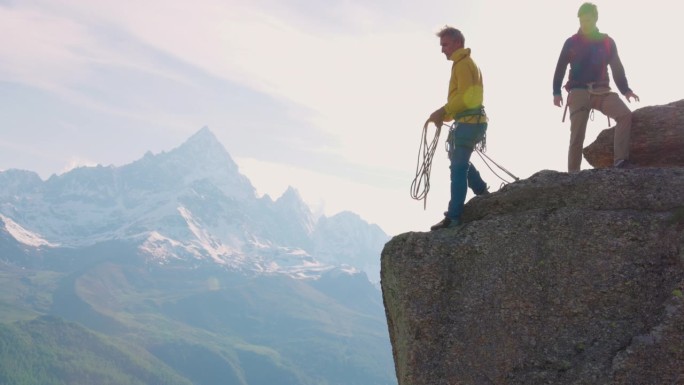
589 57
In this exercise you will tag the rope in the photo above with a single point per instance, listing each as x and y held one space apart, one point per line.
483 156
421 183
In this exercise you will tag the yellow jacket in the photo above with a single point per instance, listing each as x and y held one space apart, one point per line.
465 87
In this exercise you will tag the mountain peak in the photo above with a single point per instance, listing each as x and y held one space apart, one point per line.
200 157
204 135
291 193
204 145
14 180
291 197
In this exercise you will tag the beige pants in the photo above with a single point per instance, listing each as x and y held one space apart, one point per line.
580 103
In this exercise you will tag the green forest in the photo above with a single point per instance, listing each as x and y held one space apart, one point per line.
51 351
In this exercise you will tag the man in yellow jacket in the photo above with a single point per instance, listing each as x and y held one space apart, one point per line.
464 107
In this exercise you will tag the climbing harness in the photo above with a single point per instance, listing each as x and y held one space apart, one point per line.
426 151
602 89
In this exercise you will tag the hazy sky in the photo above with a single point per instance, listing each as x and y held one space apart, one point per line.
328 97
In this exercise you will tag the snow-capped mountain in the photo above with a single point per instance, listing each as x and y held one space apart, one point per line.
187 205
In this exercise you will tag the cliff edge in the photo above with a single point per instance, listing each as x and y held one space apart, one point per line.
556 279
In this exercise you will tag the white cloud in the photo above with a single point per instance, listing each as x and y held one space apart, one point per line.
41 50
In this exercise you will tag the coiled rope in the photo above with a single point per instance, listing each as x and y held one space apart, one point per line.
426 151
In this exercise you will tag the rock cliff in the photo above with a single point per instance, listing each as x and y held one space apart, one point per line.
556 279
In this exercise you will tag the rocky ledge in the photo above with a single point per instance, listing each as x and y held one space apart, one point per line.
556 279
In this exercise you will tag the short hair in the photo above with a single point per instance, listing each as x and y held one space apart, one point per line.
587 8
452 33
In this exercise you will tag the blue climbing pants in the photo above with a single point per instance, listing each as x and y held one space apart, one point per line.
461 142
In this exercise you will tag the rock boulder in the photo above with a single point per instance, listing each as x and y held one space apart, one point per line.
657 139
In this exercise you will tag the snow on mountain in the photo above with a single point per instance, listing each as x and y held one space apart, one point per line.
188 204
22 235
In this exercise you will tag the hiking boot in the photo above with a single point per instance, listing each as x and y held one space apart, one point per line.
481 193
446 223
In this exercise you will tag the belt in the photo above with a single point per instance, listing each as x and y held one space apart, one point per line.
598 88
470 112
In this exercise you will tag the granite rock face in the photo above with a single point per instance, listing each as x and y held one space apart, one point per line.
657 139
556 279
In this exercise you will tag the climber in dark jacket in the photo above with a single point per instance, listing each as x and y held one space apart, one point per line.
589 54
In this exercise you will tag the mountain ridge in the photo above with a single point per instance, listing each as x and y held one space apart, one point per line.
190 201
